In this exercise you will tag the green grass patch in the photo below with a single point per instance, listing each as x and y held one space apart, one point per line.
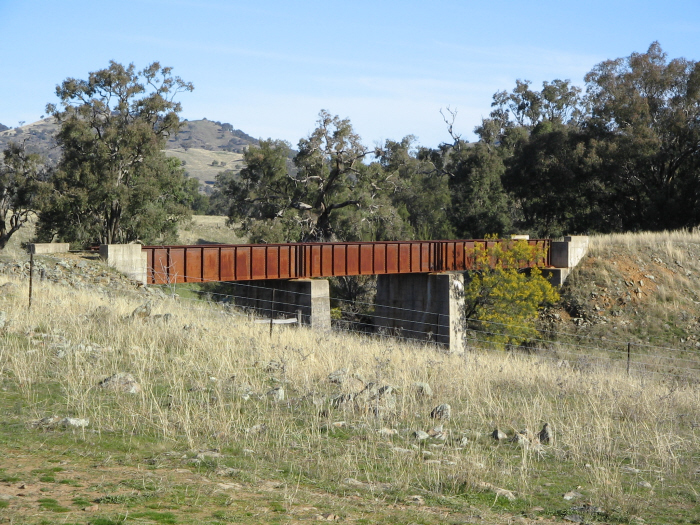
52 505
158 517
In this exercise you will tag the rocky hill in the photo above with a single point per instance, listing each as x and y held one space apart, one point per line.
205 147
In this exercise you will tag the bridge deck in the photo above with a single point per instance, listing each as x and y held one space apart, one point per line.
248 262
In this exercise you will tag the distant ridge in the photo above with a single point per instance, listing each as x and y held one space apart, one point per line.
205 147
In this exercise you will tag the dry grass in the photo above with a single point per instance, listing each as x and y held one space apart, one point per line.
207 373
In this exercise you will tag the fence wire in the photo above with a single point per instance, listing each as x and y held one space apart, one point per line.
561 346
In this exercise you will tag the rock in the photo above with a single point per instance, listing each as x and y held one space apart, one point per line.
401 450
423 389
121 382
645 484
354 483
165 318
546 435
443 411
572 495
387 432
498 434
630 470
74 422
257 429
339 376
3 320
6 497
141 312
277 394
415 500
573 518
274 366
420 435
208 454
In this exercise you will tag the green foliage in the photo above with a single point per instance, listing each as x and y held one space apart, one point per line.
114 182
479 202
501 299
22 189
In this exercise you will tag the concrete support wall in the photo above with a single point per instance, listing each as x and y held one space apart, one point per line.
40 248
568 253
311 296
426 307
126 258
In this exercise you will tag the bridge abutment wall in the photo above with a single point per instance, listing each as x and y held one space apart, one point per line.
423 307
130 259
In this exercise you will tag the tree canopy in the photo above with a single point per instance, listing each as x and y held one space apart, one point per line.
22 189
113 183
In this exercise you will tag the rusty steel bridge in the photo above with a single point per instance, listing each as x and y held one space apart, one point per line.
250 262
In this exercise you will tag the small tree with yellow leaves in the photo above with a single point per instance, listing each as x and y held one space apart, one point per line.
503 297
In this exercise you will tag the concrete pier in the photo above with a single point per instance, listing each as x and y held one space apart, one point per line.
278 297
424 307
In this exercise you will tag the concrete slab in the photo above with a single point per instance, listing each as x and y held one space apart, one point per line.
39 248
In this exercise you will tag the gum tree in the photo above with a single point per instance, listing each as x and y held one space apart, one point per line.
114 183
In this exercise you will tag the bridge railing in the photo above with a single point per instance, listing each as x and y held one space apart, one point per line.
249 262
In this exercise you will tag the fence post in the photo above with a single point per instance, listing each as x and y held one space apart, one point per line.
628 358
31 277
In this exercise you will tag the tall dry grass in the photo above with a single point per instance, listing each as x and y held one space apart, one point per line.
206 374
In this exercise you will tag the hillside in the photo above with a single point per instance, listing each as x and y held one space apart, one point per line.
205 147
187 412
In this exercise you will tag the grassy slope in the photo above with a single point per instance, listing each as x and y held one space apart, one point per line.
187 449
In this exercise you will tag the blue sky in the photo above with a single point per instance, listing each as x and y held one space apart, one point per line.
268 67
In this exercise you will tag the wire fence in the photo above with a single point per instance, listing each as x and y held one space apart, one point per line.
564 347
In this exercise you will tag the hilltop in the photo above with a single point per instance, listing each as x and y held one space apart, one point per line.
205 147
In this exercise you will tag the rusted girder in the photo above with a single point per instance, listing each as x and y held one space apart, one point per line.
249 262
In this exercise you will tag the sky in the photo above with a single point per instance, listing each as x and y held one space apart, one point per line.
269 67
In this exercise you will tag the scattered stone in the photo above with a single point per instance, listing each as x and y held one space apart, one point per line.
277 394
339 376
420 435
274 366
509 495
226 471
121 382
423 389
645 484
573 518
443 411
142 312
415 500
498 434
3 319
326 516
204 454
6 497
229 486
165 318
572 495
355 483
630 470
74 422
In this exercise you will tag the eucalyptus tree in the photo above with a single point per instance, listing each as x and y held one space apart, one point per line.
113 182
